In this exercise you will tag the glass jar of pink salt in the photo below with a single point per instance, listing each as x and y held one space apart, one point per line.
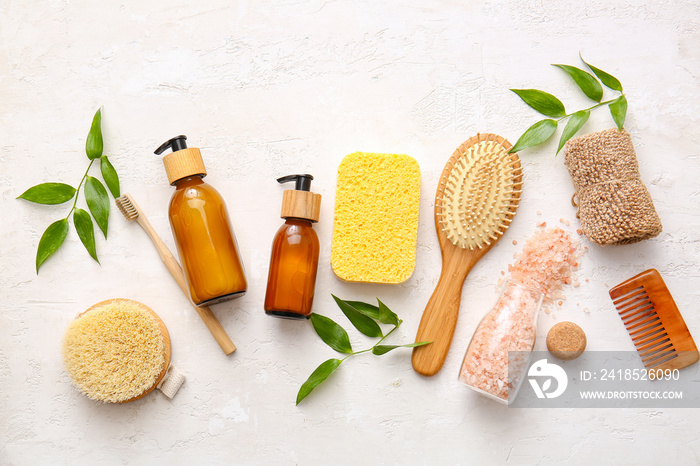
510 326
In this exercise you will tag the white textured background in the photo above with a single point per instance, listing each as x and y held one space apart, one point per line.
271 88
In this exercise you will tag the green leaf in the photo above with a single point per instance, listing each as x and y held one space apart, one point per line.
86 232
50 241
94 144
588 84
331 333
386 315
98 202
380 313
319 375
110 176
618 109
49 193
535 134
574 124
609 80
383 349
543 102
367 309
361 322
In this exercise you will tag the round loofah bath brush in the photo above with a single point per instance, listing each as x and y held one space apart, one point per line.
117 351
476 199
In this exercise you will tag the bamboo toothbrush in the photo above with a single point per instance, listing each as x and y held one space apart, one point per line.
476 199
131 211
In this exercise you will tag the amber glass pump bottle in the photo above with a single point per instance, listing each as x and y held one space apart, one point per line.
294 259
201 227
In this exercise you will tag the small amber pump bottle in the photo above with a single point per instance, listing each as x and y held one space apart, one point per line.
294 259
201 227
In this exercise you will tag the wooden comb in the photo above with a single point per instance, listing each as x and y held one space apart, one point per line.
654 322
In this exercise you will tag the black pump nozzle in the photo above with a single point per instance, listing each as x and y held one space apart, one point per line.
303 182
177 143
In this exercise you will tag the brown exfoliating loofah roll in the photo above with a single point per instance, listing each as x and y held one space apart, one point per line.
614 205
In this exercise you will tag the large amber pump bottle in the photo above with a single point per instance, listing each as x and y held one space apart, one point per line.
201 227
294 260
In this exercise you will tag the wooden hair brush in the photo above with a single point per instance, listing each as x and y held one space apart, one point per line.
476 199
654 322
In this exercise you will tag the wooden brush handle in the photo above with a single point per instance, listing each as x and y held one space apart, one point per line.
440 316
210 320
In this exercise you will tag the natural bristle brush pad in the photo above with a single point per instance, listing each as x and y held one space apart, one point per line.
476 199
117 351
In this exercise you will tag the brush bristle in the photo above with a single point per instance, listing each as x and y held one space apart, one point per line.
480 192
116 351
126 207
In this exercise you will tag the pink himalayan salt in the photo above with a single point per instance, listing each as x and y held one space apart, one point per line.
546 263
510 326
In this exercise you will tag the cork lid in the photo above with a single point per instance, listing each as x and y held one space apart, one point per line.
183 161
300 202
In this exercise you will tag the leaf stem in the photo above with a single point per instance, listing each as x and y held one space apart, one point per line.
367 350
599 104
390 332
77 190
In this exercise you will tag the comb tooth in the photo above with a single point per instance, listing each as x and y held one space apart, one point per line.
639 319
638 315
643 340
643 333
640 307
668 356
629 305
659 352
627 293
635 319
620 299
631 298
643 323
645 344
633 306
653 343
658 360
660 346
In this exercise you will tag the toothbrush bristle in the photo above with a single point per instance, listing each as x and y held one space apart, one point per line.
126 207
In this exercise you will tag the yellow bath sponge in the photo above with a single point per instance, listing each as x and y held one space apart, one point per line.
376 218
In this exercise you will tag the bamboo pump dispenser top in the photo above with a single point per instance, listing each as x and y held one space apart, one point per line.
201 227
300 202
294 258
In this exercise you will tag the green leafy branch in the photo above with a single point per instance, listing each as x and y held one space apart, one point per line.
365 318
550 106
95 196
